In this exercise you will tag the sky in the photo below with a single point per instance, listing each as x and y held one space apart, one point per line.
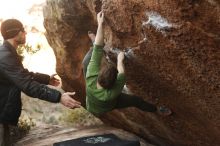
20 9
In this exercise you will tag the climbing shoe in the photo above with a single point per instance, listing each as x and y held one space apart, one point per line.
164 111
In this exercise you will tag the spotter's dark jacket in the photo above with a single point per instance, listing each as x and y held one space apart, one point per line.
14 78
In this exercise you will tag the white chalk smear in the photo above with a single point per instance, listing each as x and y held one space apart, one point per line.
128 52
157 21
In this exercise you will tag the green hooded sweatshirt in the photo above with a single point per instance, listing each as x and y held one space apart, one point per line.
99 101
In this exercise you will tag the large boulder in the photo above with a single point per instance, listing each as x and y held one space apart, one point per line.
178 63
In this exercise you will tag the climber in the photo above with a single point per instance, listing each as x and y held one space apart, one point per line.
104 85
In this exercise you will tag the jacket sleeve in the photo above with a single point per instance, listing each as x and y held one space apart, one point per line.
42 78
39 77
26 81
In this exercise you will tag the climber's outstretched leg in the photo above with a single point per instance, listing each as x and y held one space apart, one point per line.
125 100
164 111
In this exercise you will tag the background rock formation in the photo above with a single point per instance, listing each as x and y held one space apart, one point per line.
179 63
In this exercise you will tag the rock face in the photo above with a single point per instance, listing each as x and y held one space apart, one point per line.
179 63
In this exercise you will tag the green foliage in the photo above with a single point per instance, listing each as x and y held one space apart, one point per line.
79 117
37 110
51 119
28 48
24 126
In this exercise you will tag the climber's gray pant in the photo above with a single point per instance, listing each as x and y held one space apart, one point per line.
86 60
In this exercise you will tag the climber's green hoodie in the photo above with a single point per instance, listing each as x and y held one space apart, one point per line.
99 101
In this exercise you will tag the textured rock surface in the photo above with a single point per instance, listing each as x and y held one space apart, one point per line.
179 63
